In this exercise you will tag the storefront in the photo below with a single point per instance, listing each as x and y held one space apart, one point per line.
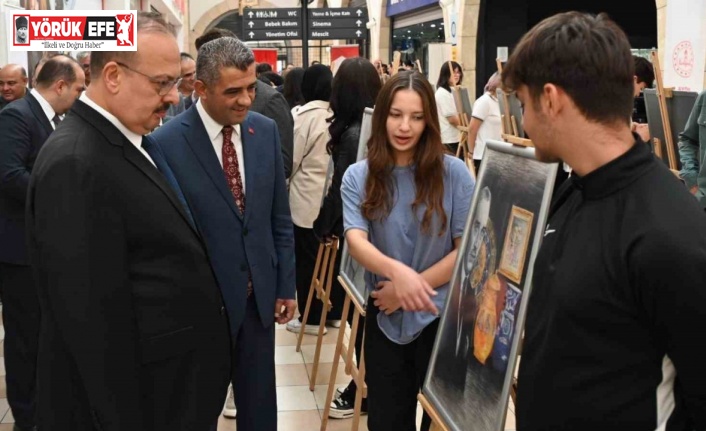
415 24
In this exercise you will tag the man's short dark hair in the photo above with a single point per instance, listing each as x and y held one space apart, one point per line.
262 68
587 56
644 70
186 55
147 22
213 34
56 68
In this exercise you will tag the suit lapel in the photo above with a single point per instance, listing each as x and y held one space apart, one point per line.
39 113
131 154
250 161
200 143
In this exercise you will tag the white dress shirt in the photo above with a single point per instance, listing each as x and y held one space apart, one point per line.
46 107
215 134
131 136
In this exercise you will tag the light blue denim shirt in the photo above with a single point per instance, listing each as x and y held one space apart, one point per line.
399 236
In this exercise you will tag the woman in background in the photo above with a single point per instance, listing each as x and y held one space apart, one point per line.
306 185
404 210
448 114
355 88
485 121
293 89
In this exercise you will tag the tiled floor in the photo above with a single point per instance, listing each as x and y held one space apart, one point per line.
299 408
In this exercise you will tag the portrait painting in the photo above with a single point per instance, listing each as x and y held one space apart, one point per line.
515 246
471 368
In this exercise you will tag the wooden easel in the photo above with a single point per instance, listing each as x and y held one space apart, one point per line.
464 123
396 58
346 352
323 271
437 424
508 122
662 95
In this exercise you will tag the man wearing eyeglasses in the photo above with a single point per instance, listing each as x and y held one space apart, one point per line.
187 97
84 59
134 335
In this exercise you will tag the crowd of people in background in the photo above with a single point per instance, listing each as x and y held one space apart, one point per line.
160 212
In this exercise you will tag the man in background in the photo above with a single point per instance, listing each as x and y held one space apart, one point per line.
25 126
268 102
186 86
13 83
692 150
84 59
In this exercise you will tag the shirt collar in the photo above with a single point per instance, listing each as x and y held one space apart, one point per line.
618 173
213 128
46 106
131 136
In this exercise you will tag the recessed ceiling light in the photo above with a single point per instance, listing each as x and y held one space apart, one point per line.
433 26
409 31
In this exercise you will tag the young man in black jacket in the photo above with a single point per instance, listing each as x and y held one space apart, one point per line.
619 283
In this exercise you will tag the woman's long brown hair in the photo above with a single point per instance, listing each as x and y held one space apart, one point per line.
428 156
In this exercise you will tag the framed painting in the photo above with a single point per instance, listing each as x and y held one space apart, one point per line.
515 246
472 364
352 273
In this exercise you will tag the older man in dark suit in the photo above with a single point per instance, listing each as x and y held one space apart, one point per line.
268 102
26 124
133 335
227 160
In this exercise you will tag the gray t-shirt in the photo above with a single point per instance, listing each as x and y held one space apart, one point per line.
399 236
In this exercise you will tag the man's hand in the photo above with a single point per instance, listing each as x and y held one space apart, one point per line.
385 298
643 130
284 310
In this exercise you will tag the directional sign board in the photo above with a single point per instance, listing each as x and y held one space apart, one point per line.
267 24
337 23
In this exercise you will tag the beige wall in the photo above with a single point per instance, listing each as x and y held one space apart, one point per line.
662 32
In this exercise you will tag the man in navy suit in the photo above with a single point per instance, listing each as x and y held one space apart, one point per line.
229 165
26 124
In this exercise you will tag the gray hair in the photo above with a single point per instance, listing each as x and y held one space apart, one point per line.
81 55
219 53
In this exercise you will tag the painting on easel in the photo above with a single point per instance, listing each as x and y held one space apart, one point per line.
511 113
471 369
351 271
679 106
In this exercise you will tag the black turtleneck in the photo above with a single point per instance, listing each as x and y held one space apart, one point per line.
618 305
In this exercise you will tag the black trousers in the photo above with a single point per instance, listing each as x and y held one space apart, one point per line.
395 375
306 246
20 316
254 387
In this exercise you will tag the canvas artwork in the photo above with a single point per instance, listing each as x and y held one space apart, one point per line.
462 101
511 112
679 107
472 364
352 273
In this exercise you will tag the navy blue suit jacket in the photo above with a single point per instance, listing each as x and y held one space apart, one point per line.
262 239
24 127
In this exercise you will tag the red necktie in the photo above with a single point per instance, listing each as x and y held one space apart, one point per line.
231 169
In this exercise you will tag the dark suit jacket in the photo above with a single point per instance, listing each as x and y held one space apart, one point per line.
23 129
272 104
134 334
261 240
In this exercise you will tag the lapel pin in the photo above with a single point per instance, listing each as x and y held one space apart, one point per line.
251 130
